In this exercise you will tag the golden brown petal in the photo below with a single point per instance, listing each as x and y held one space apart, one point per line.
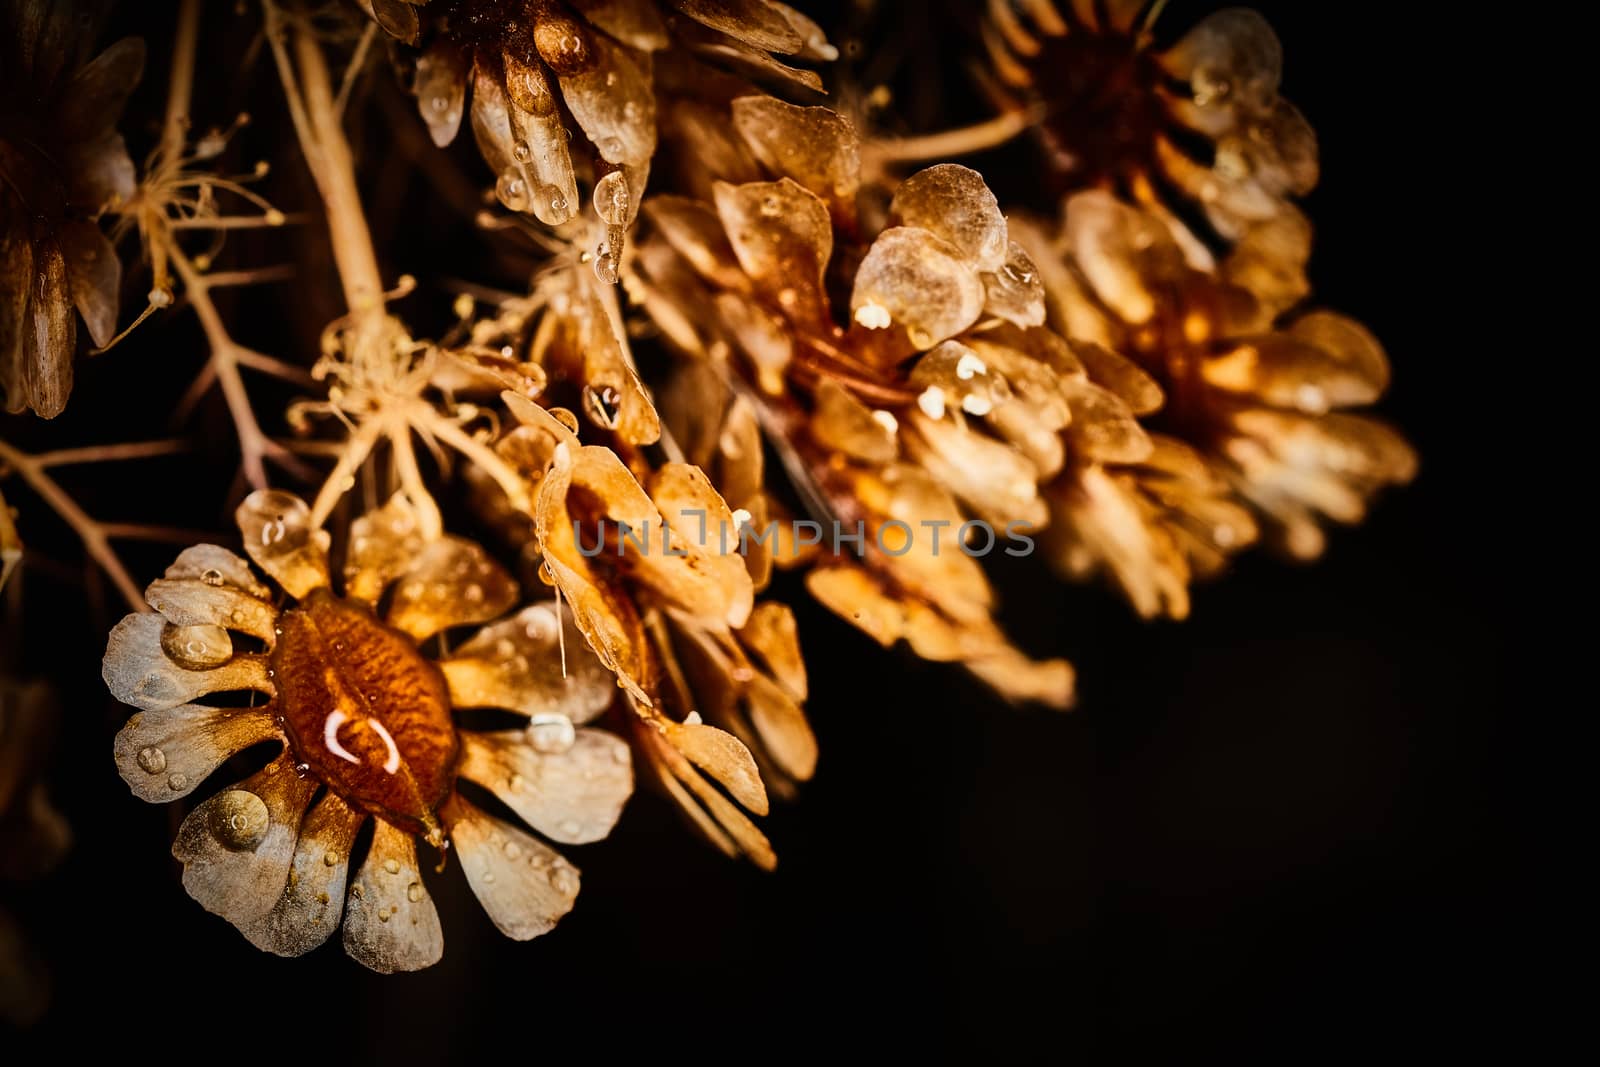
844 423
49 339
164 754
518 664
783 237
524 884
613 102
390 923
953 203
635 23
237 847
722 756
781 725
278 536
519 132
773 636
754 22
451 582
312 902
994 479
573 796
815 146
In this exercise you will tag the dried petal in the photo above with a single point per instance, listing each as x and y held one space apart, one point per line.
312 902
613 102
164 754
452 582
953 203
783 237
441 90
754 22
524 884
138 672
815 146
844 423
383 545
518 664
574 796
278 536
94 276
390 923
916 279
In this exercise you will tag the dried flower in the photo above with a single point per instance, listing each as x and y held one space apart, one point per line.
531 63
946 317
1253 405
62 163
366 728
1124 114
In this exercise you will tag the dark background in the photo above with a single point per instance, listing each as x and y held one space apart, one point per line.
1291 823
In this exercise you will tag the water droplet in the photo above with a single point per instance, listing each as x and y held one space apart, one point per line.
178 782
302 769
392 866
473 593
611 148
512 850
383 916
551 733
564 880
211 577
512 191
604 405
440 103
330 859
516 783
521 151
152 760
612 199
607 267
571 827
239 820
414 892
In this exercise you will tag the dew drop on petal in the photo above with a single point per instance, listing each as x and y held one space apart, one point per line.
551 733
152 760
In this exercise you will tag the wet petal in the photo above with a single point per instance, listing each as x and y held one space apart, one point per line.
165 754
953 203
237 847
613 102
138 672
518 128
441 90
197 602
1015 292
1230 58
390 923
815 146
783 237
574 796
524 884
277 532
920 281
517 664
452 582
695 232
312 903
383 545
216 566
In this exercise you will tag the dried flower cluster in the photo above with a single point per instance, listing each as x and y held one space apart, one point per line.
878 379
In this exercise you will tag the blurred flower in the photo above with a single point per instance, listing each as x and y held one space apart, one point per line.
366 728
1253 402
33 836
943 400
61 164
530 63
1201 119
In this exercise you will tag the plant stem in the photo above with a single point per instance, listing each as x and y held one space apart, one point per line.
180 83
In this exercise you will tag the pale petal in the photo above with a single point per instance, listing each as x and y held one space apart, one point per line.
1015 292
953 203
782 728
722 756
137 670
441 90
277 533
237 847
451 582
773 636
390 923
165 754
197 602
1230 58
912 277
574 796
1121 376
517 664
524 884
216 566
94 276
995 480
613 102
1103 427
844 423
312 903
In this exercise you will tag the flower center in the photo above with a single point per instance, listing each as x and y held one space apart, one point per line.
364 711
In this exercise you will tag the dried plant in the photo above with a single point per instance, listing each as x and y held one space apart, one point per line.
831 351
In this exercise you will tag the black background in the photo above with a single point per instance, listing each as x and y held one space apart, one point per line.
1290 823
